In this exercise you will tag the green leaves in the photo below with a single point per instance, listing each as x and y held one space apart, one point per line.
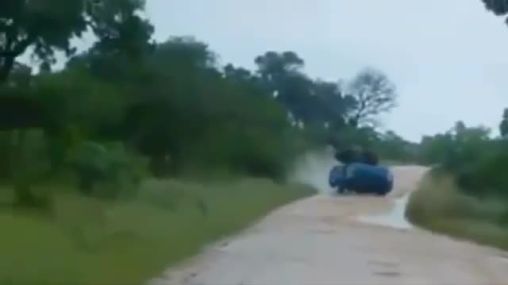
498 7
109 164
49 25
309 102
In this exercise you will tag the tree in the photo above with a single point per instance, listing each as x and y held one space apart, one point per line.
459 128
194 114
503 127
46 26
463 133
119 28
237 74
43 27
457 148
281 76
374 94
436 149
184 52
273 65
332 105
391 146
498 7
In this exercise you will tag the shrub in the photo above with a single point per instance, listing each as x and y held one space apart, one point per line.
441 206
106 170
28 164
486 176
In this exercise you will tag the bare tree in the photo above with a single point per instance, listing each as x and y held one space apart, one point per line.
374 94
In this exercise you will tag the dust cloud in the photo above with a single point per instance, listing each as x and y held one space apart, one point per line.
313 168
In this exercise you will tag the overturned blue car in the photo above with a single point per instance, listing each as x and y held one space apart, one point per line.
361 178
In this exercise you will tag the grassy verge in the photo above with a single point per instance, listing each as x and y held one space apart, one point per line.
86 241
441 207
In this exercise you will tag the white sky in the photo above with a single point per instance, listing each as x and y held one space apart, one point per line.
449 58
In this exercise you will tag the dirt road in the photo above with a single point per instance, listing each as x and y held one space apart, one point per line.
322 241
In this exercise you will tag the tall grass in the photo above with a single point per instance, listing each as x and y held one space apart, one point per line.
88 241
440 206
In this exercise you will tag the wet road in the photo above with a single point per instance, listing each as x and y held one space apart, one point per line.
350 240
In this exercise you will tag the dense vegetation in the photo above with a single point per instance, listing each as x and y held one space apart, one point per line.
473 157
466 194
86 151
129 107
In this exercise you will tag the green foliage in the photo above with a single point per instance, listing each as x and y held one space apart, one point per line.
196 116
456 148
87 241
503 127
441 206
74 98
486 176
77 107
111 166
476 161
435 149
26 163
498 7
32 164
128 109
392 147
49 25
272 64
308 102
173 104
169 102
19 110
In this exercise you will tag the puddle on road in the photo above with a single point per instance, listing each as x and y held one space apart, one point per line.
396 218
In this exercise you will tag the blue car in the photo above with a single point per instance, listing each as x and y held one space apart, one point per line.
362 179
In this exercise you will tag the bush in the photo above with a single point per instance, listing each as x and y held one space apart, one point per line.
249 152
441 206
476 162
26 164
111 166
487 175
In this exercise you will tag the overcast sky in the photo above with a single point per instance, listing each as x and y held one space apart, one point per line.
449 58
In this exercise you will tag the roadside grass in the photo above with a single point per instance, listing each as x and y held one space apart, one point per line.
440 206
84 241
